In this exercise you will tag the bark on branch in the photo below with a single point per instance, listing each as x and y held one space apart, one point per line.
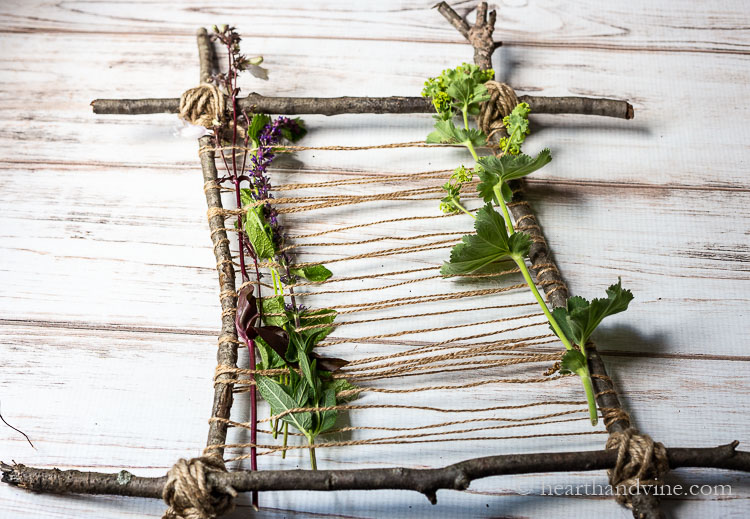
425 481
364 105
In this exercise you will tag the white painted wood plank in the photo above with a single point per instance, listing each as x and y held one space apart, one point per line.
104 253
643 25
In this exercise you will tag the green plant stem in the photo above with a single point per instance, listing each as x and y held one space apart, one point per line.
313 460
458 204
275 427
527 276
501 200
468 144
588 386
510 139
286 436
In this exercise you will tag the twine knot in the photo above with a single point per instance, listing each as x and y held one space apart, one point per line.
202 105
641 462
189 495
502 101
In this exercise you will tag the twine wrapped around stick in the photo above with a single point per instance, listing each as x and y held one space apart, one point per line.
202 105
189 495
502 101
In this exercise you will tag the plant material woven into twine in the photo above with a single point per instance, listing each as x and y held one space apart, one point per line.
502 101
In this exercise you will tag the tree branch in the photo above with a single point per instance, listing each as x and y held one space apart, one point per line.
363 105
425 481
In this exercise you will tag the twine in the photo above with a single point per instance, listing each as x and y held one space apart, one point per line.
502 101
641 462
202 105
189 495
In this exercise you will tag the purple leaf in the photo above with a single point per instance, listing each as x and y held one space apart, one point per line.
331 364
247 314
275 337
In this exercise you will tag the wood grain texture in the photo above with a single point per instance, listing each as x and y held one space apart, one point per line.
109 314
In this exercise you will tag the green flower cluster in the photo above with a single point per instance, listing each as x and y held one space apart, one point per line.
437 88
451 203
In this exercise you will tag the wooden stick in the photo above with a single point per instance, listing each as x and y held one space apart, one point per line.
364 105
227 349
425 481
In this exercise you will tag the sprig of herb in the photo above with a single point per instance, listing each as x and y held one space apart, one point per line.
496 243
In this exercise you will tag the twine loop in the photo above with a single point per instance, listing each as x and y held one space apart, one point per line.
189 495
502 101
641 462
202 105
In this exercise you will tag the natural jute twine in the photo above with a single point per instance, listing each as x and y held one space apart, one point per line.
502 101
189 495
202 105
641 464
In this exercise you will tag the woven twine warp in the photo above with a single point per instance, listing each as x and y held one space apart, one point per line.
641 463
502 101
188 493
202 105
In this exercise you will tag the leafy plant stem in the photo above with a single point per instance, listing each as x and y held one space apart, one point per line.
458 204
499 195
527 277
510 139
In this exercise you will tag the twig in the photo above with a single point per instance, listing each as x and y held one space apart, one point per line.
363 105
227 350
425 481
19 431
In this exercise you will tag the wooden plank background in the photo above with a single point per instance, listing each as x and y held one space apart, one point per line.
109 307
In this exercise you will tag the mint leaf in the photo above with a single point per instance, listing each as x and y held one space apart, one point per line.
314 273
499 170
339 385
269 358
280 401
274 305
317 317
491 244
580 317
328 418
259 232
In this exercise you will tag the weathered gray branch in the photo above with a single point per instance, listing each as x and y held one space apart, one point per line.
364 105
425 481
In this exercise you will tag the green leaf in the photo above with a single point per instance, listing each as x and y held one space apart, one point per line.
314 273
580 317
280 401
257 124
318 317
269 358
517 128
302 395
294 136
445 133
339 385
490 244
499 170
307 369
573 362
328 418
259 232
274 305
507 192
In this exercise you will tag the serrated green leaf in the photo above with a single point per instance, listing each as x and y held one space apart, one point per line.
314 273
307 369
280 402
445 133
302 395
499 170
259 232
490 244
581 317
274 305
561 317
507 192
